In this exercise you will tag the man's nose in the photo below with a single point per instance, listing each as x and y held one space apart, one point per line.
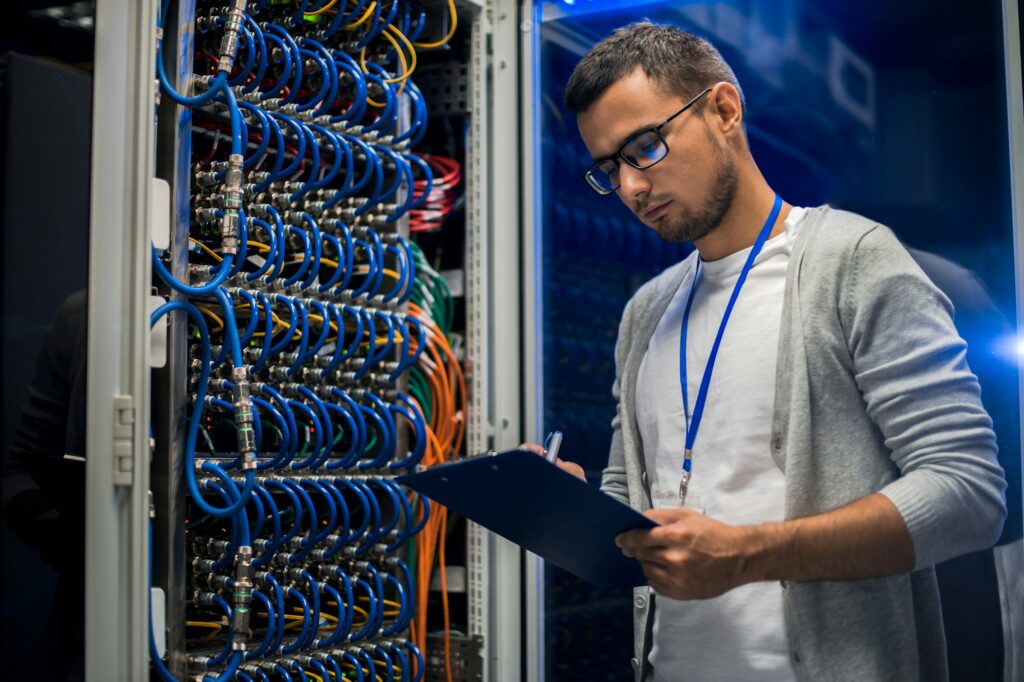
633 184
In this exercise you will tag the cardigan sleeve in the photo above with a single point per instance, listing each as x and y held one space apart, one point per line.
910 365
613 479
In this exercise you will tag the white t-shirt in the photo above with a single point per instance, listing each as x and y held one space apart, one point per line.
740 635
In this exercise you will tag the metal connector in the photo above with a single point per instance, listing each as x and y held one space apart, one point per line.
242 599
241 401
234 180
232 33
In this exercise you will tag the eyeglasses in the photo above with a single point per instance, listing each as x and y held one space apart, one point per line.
641 151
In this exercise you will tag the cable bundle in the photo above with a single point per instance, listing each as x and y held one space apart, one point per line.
441 194
298 297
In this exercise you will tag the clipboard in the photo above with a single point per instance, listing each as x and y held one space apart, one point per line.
526 499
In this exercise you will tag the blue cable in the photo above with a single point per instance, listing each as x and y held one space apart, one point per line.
306 544
318 439
398 495
388 665
316 244
280 603
286 68
410 260
373 534
268 636
296 510
352 429
349 263
223 655
403 661
250 50
354 662
300 350
326 74
428 176
293 324
325 424
219 275
264 144
264 54
418 655
197 411
282 425
339 625
300 151
362 653
268 261
367 629
304 633
230 327
307 255
296 64
415 418
367 516
339 271
254 317
314 594
396 509
285 410
370 171
423 521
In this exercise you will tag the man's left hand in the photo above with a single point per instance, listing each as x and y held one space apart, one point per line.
690 555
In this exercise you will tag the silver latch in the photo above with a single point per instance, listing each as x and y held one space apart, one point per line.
124 439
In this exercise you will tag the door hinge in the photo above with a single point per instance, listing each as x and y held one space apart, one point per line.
124 440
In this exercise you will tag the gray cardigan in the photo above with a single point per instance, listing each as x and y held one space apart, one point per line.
873 394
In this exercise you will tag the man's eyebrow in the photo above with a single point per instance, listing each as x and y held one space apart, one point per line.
626 138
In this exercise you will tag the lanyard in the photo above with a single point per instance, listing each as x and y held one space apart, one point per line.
693 423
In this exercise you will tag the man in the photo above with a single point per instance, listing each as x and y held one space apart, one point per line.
794 406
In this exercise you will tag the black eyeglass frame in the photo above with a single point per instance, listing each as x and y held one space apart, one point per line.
619 155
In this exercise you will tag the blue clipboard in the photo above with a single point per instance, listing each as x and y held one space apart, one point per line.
530 501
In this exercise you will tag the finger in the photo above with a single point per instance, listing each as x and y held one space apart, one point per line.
651 555
569 467
534 448
635 539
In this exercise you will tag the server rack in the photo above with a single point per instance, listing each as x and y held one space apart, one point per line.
127 203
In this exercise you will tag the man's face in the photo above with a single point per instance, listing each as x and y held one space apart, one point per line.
685 195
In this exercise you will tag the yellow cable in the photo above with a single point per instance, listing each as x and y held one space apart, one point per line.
320 11
408 45
451 29
364 269
204 624
400 79
210 313
314 676
363 19
320 319
207 249
259 246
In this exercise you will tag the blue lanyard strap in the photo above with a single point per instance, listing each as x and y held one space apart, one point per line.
693 423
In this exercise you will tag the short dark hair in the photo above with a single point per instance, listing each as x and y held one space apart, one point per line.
677 60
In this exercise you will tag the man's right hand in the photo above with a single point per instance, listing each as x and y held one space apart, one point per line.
569 467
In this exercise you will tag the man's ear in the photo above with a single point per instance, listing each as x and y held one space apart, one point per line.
725 110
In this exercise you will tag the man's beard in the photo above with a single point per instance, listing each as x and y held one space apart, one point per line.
690 228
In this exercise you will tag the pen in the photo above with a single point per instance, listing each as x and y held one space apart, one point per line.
551 445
